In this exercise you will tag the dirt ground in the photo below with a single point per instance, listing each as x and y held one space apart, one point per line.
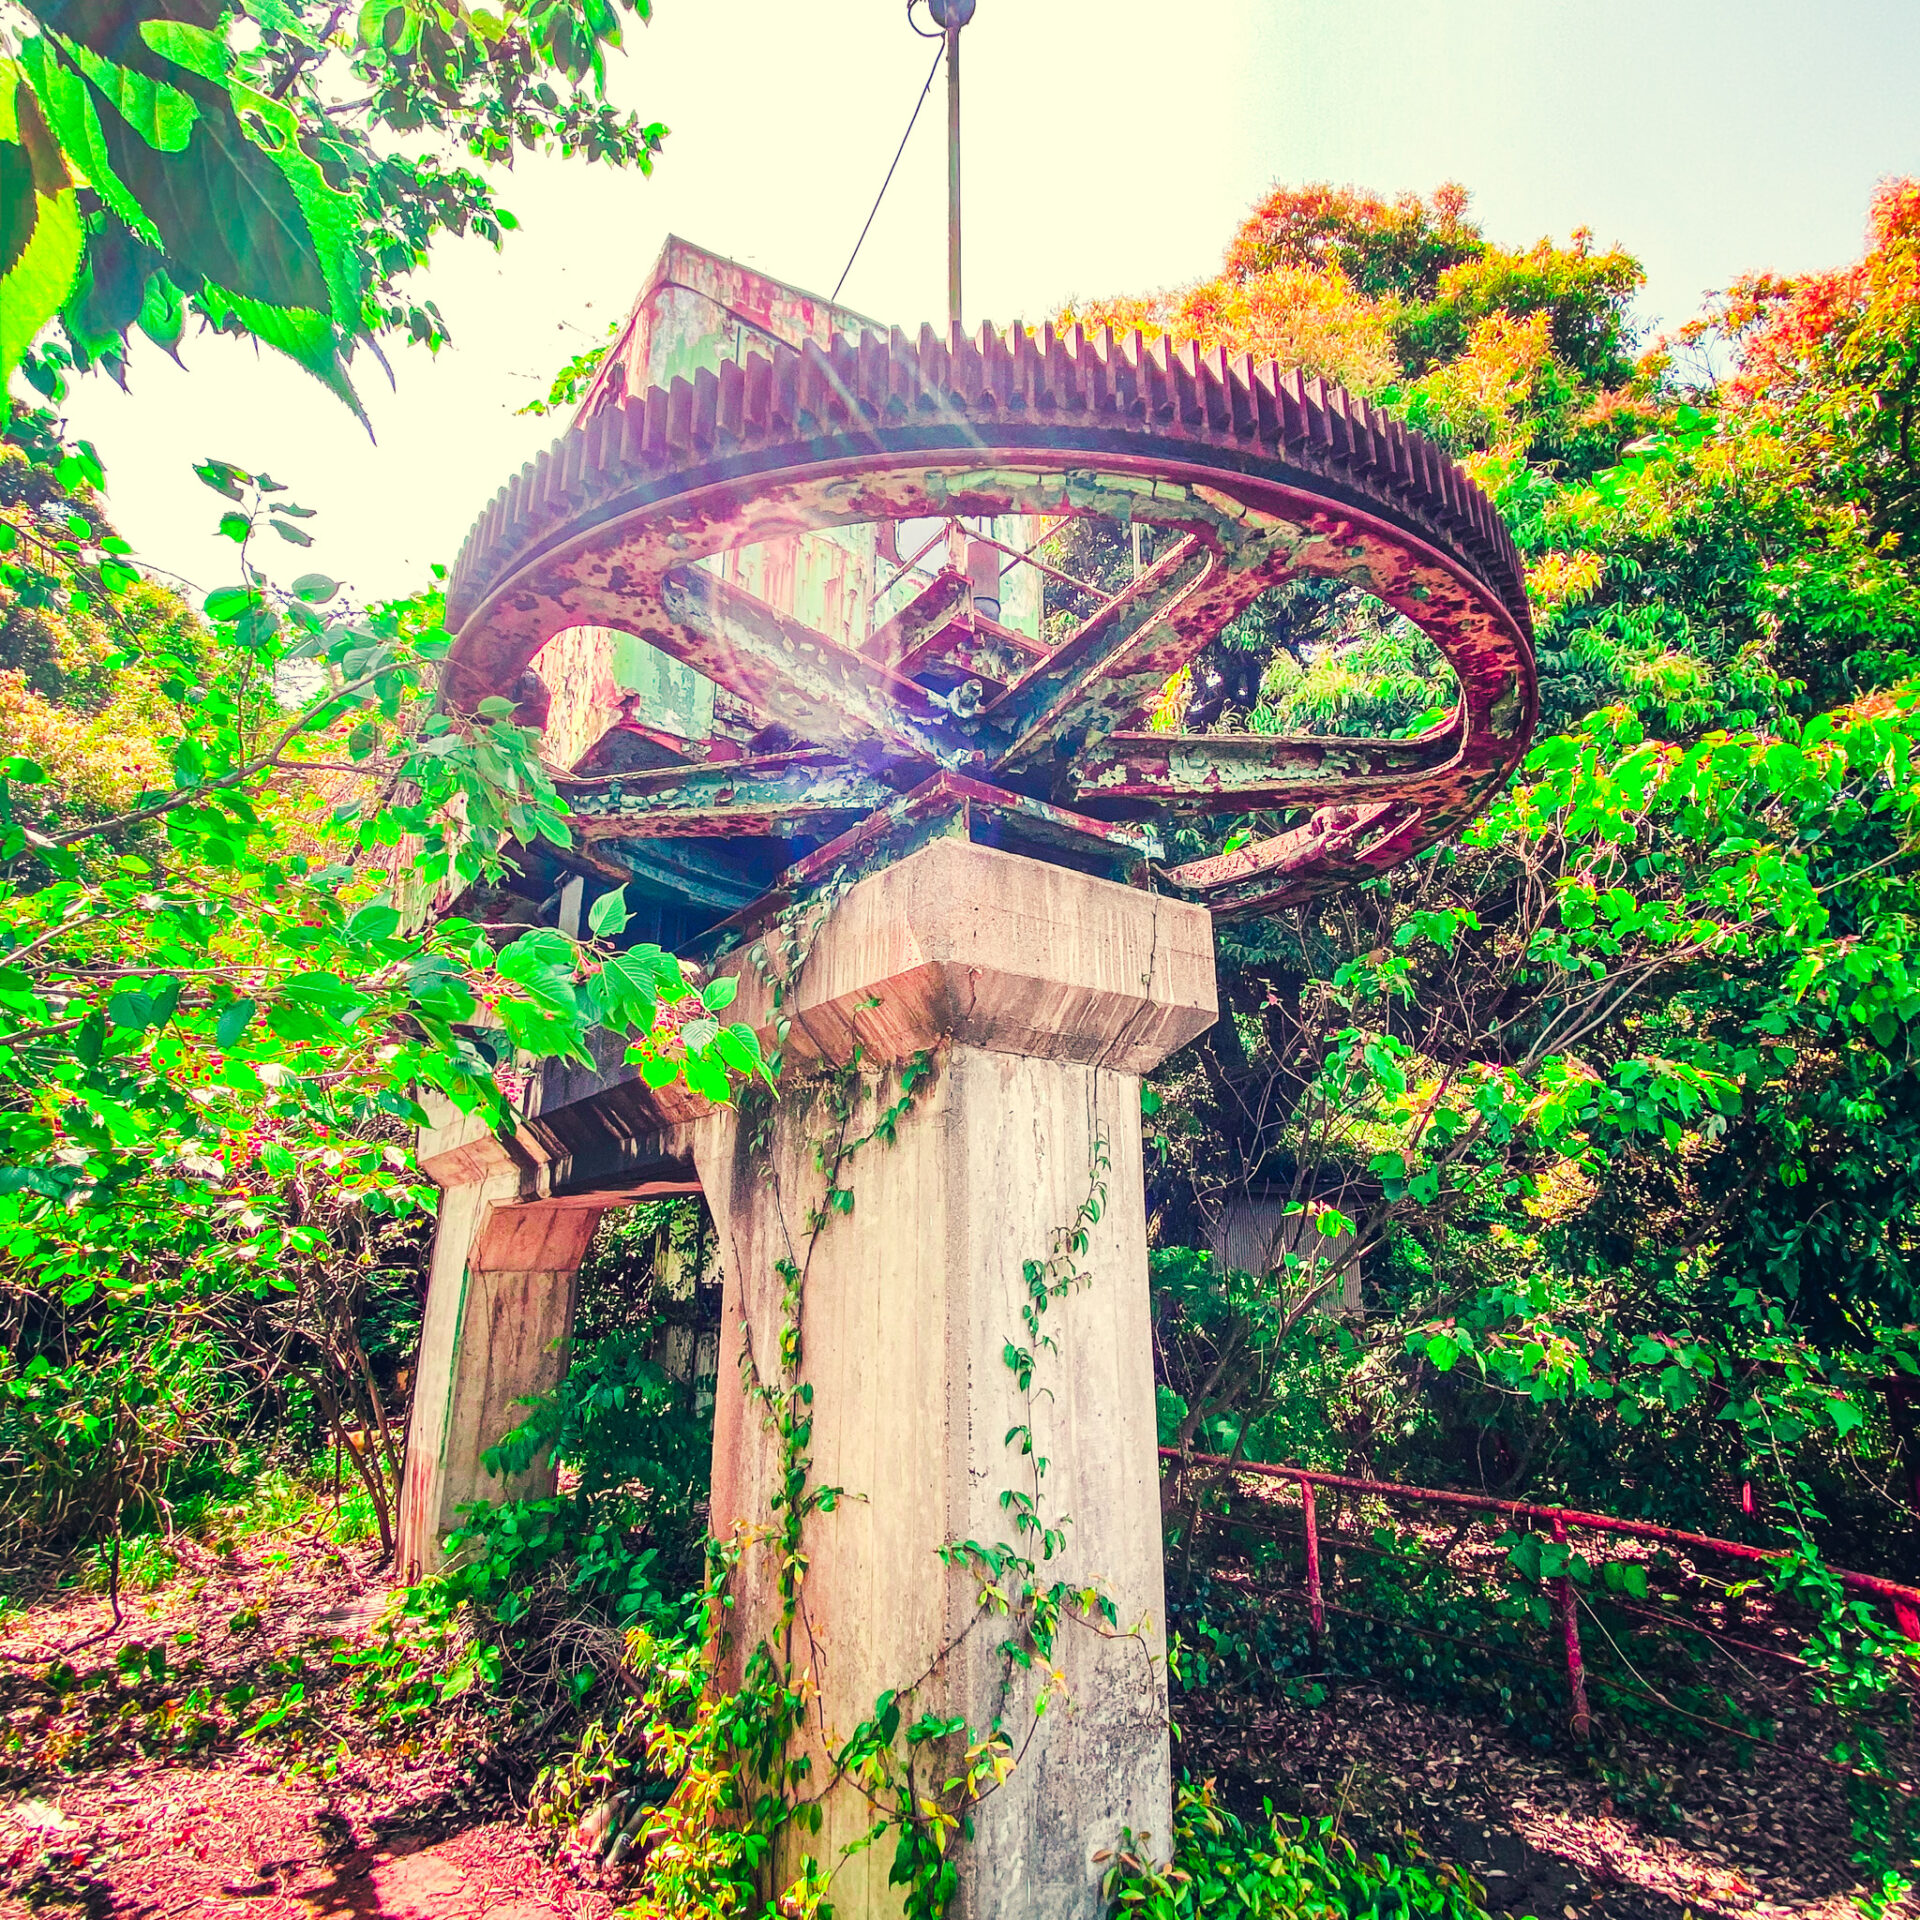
108 1810
1543 1835
225 1839
113 1804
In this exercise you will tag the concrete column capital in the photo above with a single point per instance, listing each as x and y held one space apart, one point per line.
967 944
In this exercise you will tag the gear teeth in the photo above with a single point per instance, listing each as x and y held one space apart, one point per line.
1264 388
1182 359
1153 376
1216 399
1339 427
633 422
783 395
1061 376
1123 369
929 372
592 444
1366 439
547 502
996 371
1400 473
843 366
1097 380
1243 419
1319 428
898 392
706 409
863 386
872 384
730 409
967 379
756 403
680 417
1020 363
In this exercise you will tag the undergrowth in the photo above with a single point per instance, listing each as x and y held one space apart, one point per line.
1277 1869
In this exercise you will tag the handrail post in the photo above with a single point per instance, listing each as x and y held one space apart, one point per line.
1316 1605
1570 1632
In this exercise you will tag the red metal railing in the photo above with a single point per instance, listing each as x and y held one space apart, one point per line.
1903 1600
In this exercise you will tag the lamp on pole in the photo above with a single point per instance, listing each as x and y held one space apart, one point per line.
950 16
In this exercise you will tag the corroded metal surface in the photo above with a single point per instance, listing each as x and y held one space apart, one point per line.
1249 476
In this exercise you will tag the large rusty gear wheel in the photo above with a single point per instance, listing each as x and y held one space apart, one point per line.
1261 474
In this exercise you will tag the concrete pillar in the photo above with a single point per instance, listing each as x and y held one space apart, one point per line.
1043 995
499 1315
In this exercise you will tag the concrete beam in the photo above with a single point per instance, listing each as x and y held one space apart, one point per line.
967 944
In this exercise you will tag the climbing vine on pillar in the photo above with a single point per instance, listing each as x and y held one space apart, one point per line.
741 1778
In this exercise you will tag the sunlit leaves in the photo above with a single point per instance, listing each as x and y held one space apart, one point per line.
230 981
41 233
232 187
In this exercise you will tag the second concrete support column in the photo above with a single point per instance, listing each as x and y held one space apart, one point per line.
499 1318
1041 996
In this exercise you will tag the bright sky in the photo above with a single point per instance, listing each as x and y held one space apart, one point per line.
1111 146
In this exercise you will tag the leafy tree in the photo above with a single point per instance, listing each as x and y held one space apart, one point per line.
229 837
218 998
171 158
1587 1079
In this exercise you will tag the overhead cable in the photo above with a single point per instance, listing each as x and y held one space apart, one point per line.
888 181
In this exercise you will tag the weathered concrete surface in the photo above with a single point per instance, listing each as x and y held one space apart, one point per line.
499 1314
1045 994
986 949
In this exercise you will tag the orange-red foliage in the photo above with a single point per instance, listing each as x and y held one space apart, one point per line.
1383 247
1310 318
1783 324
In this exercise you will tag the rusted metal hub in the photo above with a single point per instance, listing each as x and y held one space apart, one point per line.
853 744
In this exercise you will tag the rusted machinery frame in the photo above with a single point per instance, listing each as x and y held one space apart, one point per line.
1267 475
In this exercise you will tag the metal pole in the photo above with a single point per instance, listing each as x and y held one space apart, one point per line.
1316 1604
1570 1635
953 169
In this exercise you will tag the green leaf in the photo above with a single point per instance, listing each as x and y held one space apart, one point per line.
131 1011
163 311
242 210
544 1031
316 588
229 603
223 477
42 236
608 915
719 993
627 990
323 989
233 1022
375 921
